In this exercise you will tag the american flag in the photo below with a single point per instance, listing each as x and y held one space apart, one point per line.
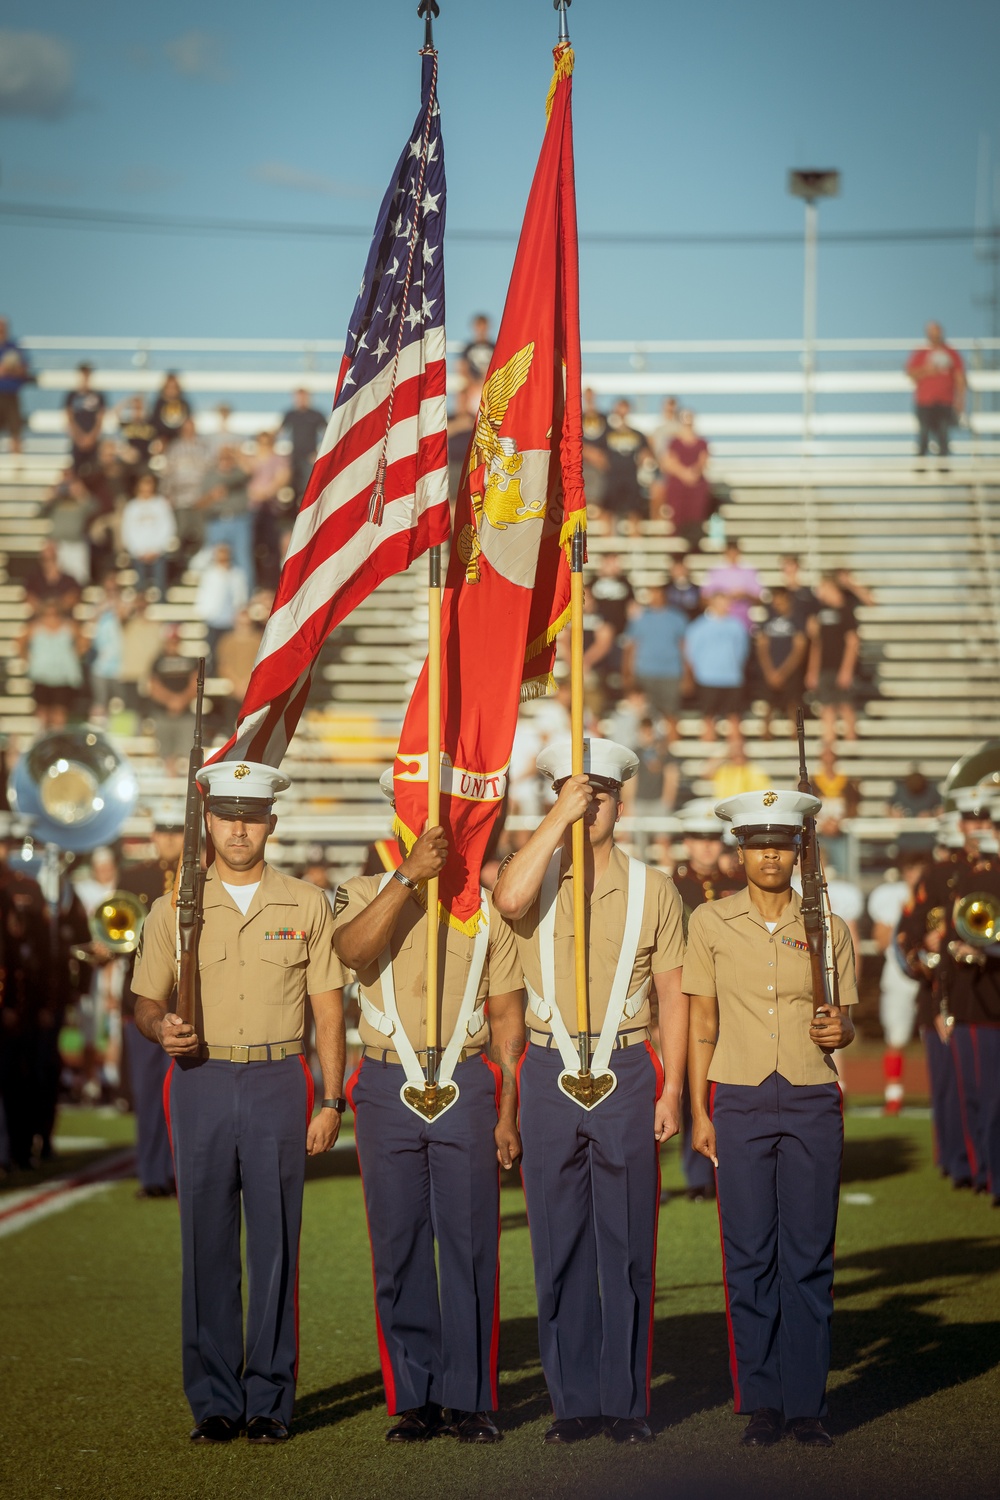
387 433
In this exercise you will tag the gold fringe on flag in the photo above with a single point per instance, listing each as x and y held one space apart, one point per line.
470 927
564 67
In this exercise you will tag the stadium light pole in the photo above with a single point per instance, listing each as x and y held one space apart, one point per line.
810 184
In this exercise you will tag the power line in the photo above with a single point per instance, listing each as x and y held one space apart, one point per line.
94 218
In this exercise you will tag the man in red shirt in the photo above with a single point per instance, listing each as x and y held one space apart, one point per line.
938 375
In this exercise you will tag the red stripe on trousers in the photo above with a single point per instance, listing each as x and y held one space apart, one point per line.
970 1145
310 1101
658 1068
733 1367
388 1379
495 1331
166 1111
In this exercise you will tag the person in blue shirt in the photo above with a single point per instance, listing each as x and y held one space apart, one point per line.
653 659
716 647
14 373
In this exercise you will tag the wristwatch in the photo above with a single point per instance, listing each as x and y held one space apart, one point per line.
411 885
339 1104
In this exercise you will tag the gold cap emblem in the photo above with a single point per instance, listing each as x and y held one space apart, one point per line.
241 771
770 798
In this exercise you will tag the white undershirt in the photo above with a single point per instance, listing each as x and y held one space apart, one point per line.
242 894
769 925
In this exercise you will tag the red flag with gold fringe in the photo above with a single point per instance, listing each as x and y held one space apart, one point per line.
507 591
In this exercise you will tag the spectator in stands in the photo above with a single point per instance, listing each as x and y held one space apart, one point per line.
224 435
142 642
897 991
626 450
833 658
601 655
137 435
271 497
804 604
841 799
149 533
69 509
652 792
14 373
654 657
622 723
738 581
915 797
612 593
461 425
474 360
595 456
106 645
185 465
52 645
47 583
235 656
111 486
716 648
735 773
169 412
938 375
688 495
682 591
85 410
857 593
660 439
170 690
782 649
222 593
303 426
226 506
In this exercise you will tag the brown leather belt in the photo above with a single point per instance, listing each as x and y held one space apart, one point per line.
266 1052
386 1055
622 1040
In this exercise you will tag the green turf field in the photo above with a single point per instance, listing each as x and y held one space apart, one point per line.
92 1406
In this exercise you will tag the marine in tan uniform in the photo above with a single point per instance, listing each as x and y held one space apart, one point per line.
239 1098
767 1112
433 1183
591 1176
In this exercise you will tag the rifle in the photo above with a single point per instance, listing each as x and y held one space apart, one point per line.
189 883
815 900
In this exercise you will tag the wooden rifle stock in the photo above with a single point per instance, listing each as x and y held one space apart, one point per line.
190 887
813 916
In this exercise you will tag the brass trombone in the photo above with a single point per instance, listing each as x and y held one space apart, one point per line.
977 922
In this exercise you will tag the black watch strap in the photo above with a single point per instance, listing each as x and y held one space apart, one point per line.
339 1104
411 885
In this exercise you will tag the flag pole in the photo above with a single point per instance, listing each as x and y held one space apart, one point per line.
433 803
579 872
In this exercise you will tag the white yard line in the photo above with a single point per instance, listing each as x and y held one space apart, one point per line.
19 1210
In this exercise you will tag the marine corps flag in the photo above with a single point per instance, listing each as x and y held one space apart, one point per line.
507 591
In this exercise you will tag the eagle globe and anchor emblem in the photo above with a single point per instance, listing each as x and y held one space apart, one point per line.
506 486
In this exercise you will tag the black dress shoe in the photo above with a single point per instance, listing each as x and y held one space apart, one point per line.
572 1429
267 1430
627 1430
473 1427
216 1430
764 1428
810 1430
416 1425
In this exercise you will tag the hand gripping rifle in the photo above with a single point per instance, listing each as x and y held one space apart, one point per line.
816 914
189 885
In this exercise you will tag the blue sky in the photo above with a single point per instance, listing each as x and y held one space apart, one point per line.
687 119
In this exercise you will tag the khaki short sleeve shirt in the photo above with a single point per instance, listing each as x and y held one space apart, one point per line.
254 971
661 942
763 984
408 947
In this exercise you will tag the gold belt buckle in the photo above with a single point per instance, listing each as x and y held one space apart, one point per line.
282 1053
239 1054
